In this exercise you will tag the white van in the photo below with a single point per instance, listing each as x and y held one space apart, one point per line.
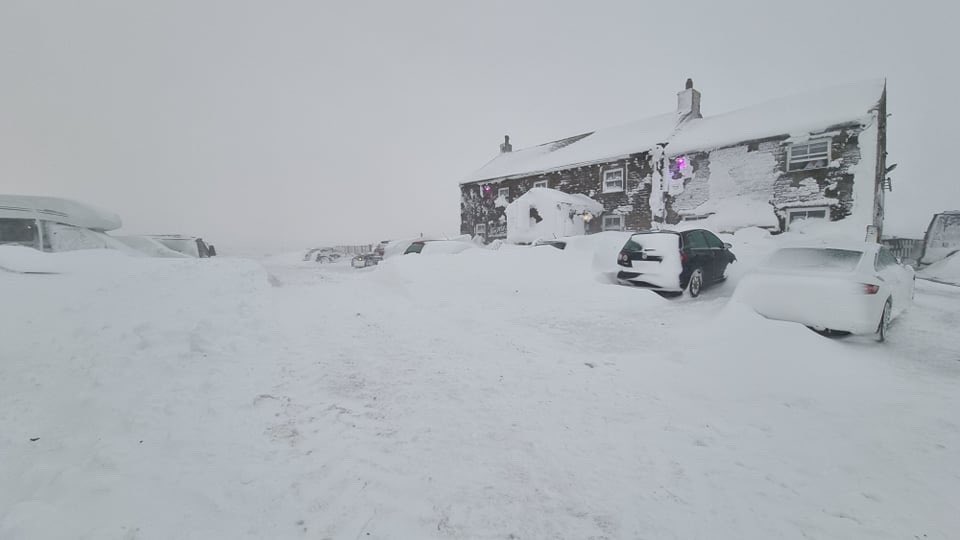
55 224
942 238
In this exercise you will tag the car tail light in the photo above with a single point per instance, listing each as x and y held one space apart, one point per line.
683 257
869 288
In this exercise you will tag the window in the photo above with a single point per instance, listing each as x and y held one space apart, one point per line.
18 231
540 183
613 223
415 247
503 192
811 155
885 259
795 215
817 259
694 240
613 180
480 229
712 240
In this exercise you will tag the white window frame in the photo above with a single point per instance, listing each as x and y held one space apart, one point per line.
503 192
619 218
480 229
540 183
623 180
806 210
826 157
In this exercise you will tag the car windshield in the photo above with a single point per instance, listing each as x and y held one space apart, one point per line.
183 245
822 259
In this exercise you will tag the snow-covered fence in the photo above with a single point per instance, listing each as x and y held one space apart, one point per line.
905 248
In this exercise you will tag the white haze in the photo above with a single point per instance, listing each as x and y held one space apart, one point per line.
276 125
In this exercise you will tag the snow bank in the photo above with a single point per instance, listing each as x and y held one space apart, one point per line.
28 260
128 399
946 270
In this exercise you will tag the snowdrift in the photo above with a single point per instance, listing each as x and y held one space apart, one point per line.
946 270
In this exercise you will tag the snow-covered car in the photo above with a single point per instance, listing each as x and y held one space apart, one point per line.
674 261
857 288
559 244
150 246
434 247
366 259
188 245
322 255
53 224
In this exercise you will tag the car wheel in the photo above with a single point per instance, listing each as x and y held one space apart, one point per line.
884 325
695 285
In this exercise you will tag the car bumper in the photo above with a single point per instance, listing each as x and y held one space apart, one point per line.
657 282
820 305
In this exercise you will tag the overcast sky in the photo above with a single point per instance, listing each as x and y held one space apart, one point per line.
281 124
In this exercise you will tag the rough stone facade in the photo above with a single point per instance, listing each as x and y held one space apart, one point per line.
755 172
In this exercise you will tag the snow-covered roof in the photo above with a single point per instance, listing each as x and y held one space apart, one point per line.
543 197
59 210
796 116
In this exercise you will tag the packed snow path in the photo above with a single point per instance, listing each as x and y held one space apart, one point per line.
480 395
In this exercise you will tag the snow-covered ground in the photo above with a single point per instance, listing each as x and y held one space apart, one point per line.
509 393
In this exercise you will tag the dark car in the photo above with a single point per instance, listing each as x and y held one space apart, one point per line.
366 259
674 261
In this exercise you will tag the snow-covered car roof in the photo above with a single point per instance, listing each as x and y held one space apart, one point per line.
66 211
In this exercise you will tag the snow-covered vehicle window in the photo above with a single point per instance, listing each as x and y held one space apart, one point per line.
18 231
60 237
826 259
187 246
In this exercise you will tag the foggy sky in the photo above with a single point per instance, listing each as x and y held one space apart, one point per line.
282 124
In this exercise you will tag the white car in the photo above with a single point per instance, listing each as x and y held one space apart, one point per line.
854 288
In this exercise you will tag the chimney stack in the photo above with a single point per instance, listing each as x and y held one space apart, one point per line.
505 146
688 102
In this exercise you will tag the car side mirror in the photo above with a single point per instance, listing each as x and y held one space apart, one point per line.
727 245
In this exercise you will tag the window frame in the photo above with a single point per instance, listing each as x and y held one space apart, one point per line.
805 160
806 210
623 180
541 183
501 190
480 229
619 217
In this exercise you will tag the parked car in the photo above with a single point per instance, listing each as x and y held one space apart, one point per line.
674 261
438 246
857 288
942 238
53 224
381 247
150 246
366 259
322 255
559 244
188 245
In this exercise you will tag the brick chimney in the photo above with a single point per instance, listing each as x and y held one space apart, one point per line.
505 146
688 102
